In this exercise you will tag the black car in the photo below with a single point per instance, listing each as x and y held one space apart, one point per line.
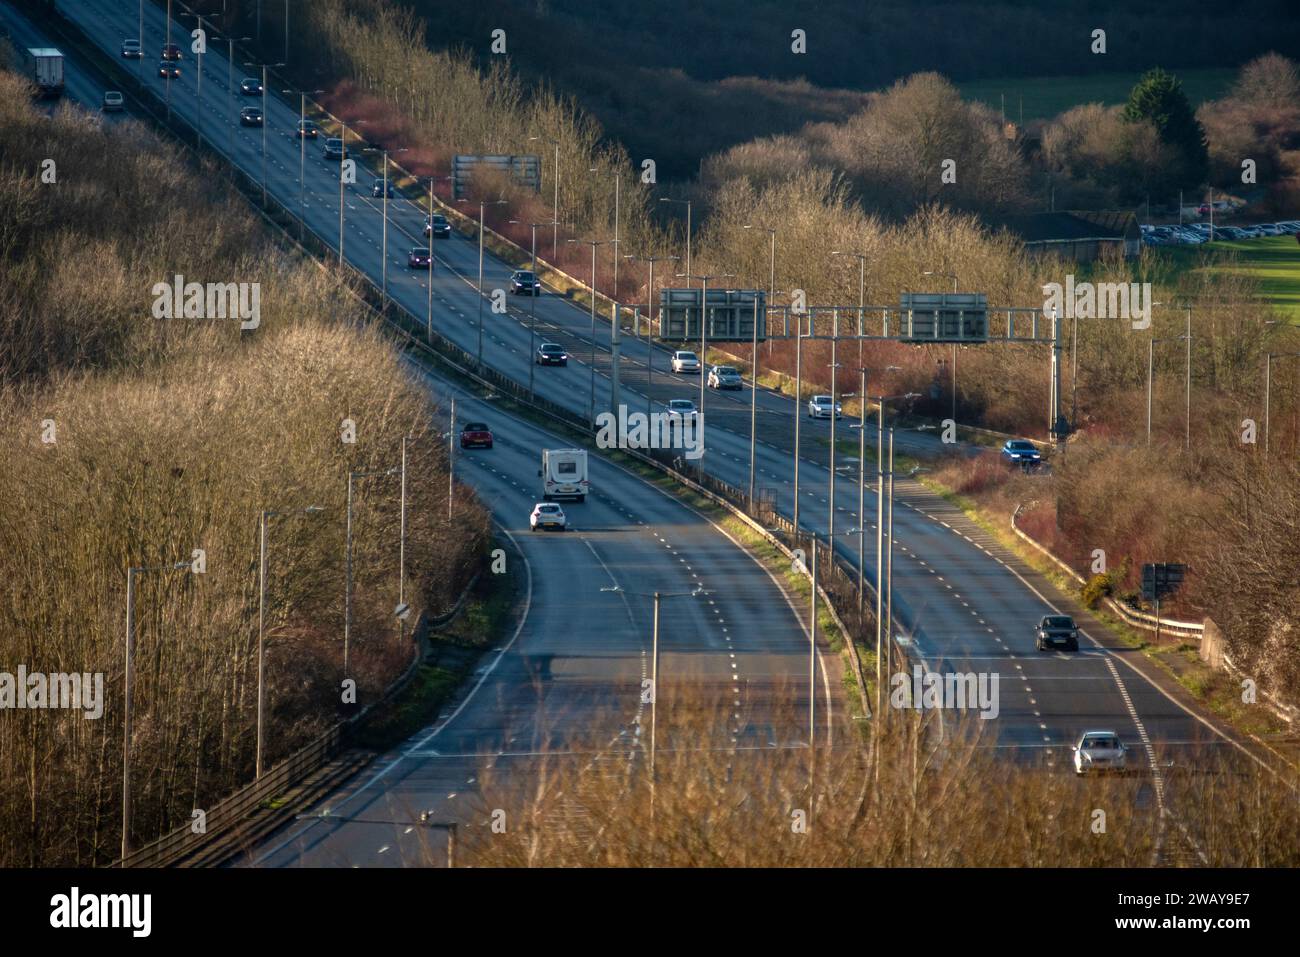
550 354
169 71
437 225
250 116
524 283
308 130
419 258
378 187
250 86
171 51
131 50
1056 631
334 149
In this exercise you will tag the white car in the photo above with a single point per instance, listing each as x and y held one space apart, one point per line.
685 362
113 101
547 515
682 409
820 406
1099 751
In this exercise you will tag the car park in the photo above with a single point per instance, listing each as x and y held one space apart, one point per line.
131 50
113 101
725 377
821 407
1056 631
169 70
438 226
250 116
419 257
1099 752
547 515
476 435
1020 452
524 283
250 86
684 362
334 149
308 130
550 354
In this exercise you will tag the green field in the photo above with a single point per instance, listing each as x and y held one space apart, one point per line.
1046 96
1274 261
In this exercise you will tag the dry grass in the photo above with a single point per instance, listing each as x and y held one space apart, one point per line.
170 436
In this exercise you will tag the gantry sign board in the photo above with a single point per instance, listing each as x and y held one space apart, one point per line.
943 317
526 170
730 314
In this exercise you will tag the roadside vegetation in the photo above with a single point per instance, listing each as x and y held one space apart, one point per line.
134 441
913 795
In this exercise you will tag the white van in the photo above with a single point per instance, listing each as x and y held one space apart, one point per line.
564 474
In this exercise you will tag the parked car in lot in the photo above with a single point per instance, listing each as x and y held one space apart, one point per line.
380 187
419 257
131 50
308 130
250 116
250 86
1020 452
550 354
168 70
437 225
476 435
684 362
524 283
821 407
1099 751
113 101
334 148
1056 631
725 377
682 409
547 515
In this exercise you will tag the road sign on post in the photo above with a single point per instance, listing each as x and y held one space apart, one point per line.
944 317
525 169
1160 579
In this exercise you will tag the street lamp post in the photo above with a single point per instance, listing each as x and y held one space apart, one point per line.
953 277
649 309
1151 364
687 204
302 153
261 615
1268 388
128 676
771 274
862 296
482 209
555 208
347 590
383 250
882 648
704 325
615 241
264 122
593 243
532 325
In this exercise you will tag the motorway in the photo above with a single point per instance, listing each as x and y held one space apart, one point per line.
962 601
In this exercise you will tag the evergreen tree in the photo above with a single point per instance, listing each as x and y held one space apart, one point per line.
1159 99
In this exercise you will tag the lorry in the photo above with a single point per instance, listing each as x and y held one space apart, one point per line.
564 474
45 69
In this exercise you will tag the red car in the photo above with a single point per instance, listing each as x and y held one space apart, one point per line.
476 435
171 51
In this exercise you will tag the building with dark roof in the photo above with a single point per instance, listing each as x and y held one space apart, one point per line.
1079 234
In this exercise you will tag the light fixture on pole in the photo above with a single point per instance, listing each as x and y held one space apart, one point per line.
687 204
953 277
593 243
555 208
482 210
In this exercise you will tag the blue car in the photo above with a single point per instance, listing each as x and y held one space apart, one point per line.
1021 452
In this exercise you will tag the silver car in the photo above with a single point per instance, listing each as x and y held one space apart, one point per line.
821 407
725 377
1099 751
